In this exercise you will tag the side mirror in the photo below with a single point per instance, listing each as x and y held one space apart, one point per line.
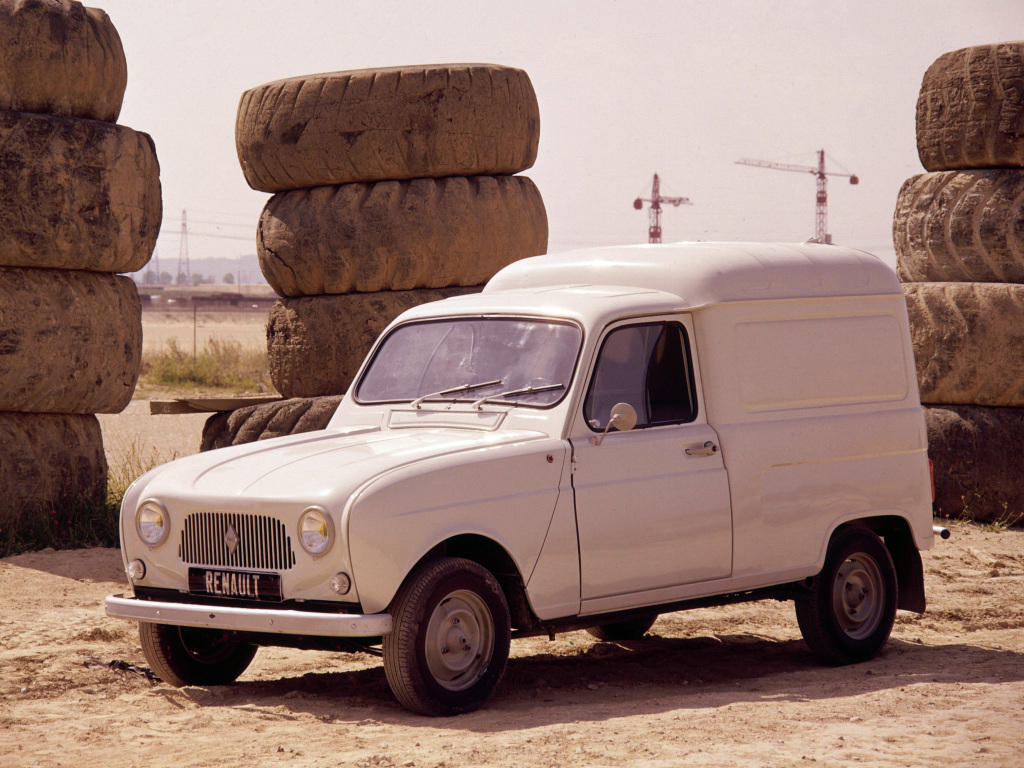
623 418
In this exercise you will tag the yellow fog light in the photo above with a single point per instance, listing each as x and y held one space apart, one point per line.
152 523
316 531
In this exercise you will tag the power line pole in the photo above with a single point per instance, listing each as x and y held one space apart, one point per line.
184 275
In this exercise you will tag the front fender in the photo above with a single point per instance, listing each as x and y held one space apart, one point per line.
505 493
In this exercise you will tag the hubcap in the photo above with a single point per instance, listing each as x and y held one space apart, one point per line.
459 640
858 596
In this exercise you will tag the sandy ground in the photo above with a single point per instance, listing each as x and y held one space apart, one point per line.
247 328
134 440
715 687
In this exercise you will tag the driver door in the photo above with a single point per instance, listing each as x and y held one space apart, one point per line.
652 503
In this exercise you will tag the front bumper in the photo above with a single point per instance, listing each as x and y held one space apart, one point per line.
249 619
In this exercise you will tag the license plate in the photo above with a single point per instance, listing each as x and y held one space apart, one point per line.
235 584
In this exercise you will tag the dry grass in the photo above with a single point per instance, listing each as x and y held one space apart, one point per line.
221 367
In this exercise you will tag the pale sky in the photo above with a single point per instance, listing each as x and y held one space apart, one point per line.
626 89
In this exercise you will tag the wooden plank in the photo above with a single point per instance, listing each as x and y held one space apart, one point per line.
208 404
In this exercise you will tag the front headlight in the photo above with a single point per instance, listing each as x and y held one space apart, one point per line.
152 522
316 531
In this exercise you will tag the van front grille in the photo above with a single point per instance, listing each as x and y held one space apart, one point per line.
235 540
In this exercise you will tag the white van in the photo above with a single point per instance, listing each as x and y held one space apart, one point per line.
597 438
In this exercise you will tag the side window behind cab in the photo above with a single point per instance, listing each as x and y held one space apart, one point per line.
649 367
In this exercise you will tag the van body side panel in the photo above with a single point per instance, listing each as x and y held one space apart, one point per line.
816 405
791 489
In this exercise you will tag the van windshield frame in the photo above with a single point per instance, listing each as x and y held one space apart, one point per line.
493 359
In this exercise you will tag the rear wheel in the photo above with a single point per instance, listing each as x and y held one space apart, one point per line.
850 609
192 656
451 638
631 629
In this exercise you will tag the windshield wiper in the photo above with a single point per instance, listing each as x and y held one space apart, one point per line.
512 393
461 388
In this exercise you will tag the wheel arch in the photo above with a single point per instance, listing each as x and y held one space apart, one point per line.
898 538
489 554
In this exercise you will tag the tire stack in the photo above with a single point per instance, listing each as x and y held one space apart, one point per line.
79 202
391 187
959 237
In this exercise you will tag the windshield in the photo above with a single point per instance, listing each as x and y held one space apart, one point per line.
497 360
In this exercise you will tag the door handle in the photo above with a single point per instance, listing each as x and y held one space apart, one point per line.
708 449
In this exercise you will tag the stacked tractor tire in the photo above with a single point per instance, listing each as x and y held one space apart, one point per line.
391 187
79 202
959 236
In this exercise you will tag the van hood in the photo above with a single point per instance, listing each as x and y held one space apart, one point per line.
316 467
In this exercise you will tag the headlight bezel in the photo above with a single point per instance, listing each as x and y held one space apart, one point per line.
325 524
150 506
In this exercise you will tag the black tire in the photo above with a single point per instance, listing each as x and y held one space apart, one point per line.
399 235
70 341
391 123
48 461
630 629
76 194
60 58
977 453
961 226
262 422
449 646
967 338
192 656
850 609
970 111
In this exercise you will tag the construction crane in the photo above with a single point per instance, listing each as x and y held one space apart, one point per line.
821 206
654 231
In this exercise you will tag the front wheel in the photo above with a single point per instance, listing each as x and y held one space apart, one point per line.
192 656
848 614
449 646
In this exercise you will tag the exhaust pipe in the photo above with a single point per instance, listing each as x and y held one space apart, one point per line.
942 533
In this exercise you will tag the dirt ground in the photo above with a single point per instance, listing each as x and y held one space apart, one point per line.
248 328
720 687
134 439
714 687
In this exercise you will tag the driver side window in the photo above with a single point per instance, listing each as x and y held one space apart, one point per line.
649 367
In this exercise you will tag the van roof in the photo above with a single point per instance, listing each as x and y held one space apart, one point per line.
710 273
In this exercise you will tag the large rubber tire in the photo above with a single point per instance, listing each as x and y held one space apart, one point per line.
970 111
59 57
76 194
851 606
70 342
315 344
631 629
967 342
961 226
450 642
262 422
392 123
976 453
192 656
49 461
399 235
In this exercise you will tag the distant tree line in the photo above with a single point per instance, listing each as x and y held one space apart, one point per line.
152 277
